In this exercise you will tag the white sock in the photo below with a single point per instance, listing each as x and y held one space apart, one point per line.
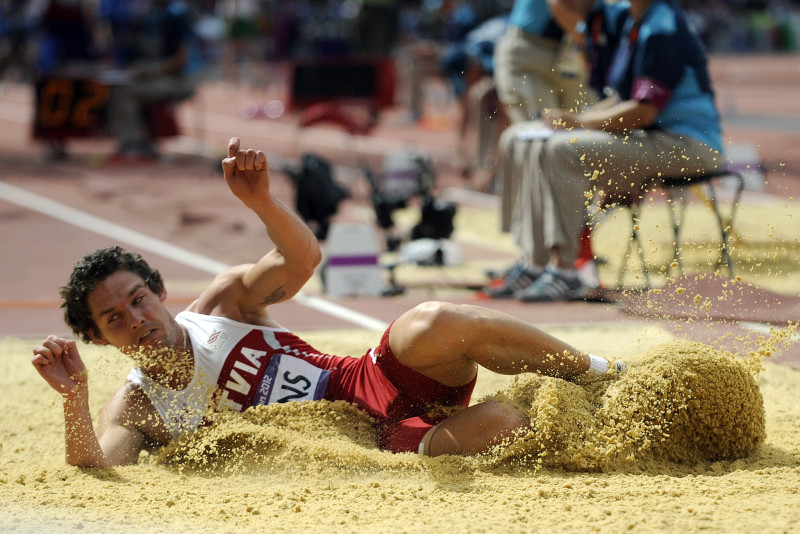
563 271
535 269
598 365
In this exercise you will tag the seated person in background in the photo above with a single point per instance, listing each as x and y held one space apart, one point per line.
537 66
66 37
65 42
225 351
528 69
469 65
163 67
658 118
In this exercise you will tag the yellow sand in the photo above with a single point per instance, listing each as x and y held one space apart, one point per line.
683 442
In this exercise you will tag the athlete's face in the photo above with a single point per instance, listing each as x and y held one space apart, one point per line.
130 316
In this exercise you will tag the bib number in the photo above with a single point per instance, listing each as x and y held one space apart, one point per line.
288 379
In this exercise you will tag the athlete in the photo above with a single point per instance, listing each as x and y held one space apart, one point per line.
225 351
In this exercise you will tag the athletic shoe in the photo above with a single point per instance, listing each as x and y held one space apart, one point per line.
553 286
496 275
518 278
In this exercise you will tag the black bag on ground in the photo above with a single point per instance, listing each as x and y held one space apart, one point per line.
436 221
317 194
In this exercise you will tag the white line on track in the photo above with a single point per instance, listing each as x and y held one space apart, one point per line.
143 242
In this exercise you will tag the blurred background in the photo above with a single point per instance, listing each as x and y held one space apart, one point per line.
379 54
391 77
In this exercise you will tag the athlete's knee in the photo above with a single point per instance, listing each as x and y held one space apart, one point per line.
438 328
447 318
437 311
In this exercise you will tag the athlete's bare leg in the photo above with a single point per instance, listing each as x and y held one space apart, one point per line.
447 342
475 430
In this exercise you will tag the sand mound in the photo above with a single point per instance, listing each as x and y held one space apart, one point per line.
680 402
690 402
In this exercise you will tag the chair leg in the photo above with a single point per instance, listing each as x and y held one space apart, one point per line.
634 240
724 256
626 254
724 224
677 203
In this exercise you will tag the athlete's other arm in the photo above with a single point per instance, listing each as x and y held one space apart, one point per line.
119 439
243 292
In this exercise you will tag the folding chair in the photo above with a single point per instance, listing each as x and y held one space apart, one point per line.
676 188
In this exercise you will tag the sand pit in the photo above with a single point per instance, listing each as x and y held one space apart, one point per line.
718 458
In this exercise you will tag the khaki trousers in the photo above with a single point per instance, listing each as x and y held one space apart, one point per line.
527 80
545 184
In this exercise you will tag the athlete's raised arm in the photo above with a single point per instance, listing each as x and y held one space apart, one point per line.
243 292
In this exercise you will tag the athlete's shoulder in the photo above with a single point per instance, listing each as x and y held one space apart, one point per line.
224 291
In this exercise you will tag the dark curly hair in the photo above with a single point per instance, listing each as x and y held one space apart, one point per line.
90 271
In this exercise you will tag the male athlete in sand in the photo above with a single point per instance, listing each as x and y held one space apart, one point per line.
226 351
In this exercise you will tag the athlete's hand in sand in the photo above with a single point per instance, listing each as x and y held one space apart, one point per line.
247 174
58 361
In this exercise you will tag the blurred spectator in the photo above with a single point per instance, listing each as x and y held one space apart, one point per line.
163 68
536 66
19 23
65 44
211 32
377 26
121 18
242 22
469 66
66 36
322 28
426 28
418 47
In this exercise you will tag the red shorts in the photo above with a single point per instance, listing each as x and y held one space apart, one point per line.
398 397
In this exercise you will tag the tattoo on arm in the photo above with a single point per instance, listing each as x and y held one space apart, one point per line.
275 296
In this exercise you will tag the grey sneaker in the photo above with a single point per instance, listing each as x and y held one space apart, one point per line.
553 286
518 278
